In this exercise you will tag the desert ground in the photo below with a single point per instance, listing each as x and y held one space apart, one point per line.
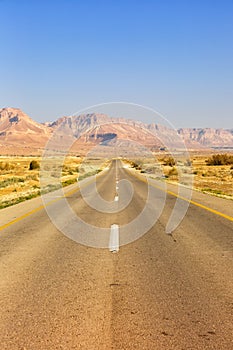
18 182
212 179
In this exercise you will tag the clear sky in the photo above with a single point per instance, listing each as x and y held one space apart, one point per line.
59 56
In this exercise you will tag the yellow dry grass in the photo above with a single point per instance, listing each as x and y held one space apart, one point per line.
214 179
17 182
217 179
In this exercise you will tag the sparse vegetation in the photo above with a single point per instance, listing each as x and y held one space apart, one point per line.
137 164
217 179
6 166
169 161
91 173
10 181
210 190
220 159
18 183
19 176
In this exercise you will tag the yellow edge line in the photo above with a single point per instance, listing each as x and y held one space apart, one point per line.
21 217
216 212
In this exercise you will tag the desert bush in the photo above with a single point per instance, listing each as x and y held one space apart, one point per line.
6 166
173 172
35 187
34 165
137 165
220 159
169 161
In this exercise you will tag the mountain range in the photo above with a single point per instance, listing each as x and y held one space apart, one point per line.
20 134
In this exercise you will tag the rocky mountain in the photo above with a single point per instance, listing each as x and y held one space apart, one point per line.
207 137
19 134
100 128
19 131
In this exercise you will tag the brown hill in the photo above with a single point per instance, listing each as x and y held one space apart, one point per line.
19 134
100 128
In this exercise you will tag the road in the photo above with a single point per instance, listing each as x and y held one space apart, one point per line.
158 292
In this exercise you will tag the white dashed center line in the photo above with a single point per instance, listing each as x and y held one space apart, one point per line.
114 238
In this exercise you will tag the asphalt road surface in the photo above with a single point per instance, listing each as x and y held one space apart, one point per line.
158 292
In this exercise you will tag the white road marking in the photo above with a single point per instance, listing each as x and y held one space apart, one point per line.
114 239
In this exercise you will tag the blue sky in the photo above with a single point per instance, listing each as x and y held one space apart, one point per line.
58 57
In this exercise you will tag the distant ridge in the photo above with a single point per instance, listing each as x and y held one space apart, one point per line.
207 137
19 134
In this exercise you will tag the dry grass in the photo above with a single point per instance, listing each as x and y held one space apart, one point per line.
18 183
214 179
217 179
16 180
